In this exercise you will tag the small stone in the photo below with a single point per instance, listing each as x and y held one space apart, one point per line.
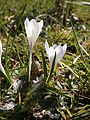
52 116
48 112
44 112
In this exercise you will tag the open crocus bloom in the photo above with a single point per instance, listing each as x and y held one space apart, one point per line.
1 67
59 50
33 30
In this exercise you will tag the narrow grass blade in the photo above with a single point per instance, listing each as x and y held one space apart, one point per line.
59 110
2 70
82 115
20 15
44 65
6 62
78 46
25 68
83 49
68 111
69 68
19 21
52 69
3 5
75 60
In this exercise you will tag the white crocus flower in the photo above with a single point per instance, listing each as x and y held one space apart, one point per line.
59 50
1 67
33 30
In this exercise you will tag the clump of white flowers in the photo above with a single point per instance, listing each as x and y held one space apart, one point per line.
33 30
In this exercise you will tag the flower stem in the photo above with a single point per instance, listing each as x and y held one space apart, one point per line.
30 63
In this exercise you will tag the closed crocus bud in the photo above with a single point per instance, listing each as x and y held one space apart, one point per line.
1 67
33 30
59 50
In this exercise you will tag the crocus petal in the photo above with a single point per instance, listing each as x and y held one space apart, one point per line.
54 46
60 52
2 69
64 48
39 27
29 27
47 47
32 26
51 55
36 31
58 49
